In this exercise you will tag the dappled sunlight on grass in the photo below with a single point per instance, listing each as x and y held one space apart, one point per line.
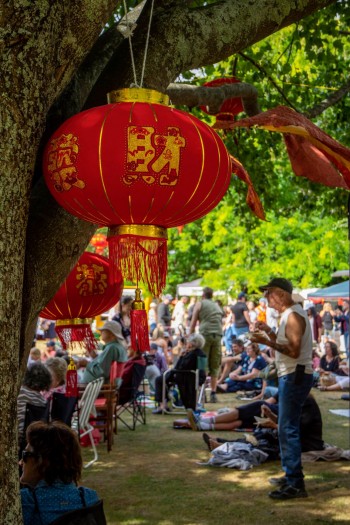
153 476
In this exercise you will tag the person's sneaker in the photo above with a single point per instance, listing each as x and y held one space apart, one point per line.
213 397
282 480
193 420
288 492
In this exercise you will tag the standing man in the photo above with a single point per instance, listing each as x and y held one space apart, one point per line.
209 315
164 315
178 317
293 346
241 315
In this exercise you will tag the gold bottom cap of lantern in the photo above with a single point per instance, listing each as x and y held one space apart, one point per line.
140 230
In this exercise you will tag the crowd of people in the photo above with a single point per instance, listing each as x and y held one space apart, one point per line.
271 351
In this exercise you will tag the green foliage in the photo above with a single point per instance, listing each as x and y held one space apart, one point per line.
306 236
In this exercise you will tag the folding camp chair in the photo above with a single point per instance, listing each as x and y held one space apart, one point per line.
130 402
62 408
191 384
86 407
32 413
106 403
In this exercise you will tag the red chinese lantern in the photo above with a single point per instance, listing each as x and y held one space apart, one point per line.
139 167
231 106
84 294
99 242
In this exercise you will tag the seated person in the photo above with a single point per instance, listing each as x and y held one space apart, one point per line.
330 361
52 465
156 364
246 375
113 350
57 367
162 343
37 379
310 423
229 362
341 382
34 357
186 362
135 357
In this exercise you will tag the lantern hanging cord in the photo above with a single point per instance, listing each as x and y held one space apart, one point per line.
129 36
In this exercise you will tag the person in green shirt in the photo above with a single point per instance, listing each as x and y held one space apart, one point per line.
115 349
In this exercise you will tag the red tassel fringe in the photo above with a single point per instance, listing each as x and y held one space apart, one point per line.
71 383
139 331
140 259
78 333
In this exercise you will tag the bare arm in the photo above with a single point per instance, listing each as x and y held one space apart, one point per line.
195 317
295 329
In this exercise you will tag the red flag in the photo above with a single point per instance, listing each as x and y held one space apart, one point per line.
312 152
252 199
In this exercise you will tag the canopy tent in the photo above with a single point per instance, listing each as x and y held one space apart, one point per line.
341 273
189 289
337 291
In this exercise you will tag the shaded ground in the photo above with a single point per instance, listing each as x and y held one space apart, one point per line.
152 476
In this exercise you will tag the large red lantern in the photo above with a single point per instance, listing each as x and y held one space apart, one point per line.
99 242
139 167
85 293
231 106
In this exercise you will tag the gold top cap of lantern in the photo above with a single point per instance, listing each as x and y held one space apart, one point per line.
138 95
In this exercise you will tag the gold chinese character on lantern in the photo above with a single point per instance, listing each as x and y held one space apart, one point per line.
153 157
92 279
62 156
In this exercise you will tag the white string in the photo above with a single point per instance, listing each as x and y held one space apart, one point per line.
146 46
130 45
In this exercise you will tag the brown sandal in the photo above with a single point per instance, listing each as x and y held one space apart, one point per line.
208 441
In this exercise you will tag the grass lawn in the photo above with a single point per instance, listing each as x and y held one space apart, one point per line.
152 477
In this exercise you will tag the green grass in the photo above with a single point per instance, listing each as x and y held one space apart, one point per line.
152 477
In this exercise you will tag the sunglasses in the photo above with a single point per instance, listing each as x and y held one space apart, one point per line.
26 454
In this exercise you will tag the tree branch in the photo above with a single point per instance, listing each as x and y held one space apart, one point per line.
333 99
213 97
184 38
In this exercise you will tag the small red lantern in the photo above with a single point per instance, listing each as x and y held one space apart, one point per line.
84 294
231 106
139 167
99 242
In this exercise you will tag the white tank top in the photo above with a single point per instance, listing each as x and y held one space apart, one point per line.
285 364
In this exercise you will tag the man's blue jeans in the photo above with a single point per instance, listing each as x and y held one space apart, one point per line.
290 402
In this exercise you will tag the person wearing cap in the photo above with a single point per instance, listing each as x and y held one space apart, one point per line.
241 315
293 349
209 315
113 350
261 310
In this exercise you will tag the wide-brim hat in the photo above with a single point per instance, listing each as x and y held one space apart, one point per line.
115 328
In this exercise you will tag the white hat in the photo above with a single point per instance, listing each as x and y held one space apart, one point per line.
115 328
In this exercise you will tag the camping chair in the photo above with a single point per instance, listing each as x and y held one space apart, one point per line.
85 408
62 408
130 402
191 386
105 404
32 413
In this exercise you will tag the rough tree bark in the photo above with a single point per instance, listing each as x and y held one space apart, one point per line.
45 45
